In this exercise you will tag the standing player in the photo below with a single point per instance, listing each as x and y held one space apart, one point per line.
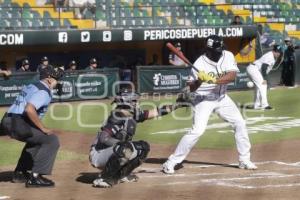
217 68
113 150
23 122
257 72
174 59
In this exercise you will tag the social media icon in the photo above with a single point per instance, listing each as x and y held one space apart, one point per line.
106 36
127 35
62 37
85 36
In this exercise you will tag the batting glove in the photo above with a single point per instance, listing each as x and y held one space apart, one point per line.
204 77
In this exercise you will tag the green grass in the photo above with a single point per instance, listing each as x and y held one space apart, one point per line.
11 151
285 101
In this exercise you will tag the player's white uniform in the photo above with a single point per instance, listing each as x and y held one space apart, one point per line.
255 74
212 98
176 60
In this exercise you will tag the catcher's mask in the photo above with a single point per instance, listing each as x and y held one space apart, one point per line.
214 47
127 100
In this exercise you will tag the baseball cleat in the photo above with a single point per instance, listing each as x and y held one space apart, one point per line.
268 108
247 165
130 178
101 183
39 181
168 167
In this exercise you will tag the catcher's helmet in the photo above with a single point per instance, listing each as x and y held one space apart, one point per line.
126 100
214 47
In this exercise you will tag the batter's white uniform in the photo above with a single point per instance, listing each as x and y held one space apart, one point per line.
212 98
255 74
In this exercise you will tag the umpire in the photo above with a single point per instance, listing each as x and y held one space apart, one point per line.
22 122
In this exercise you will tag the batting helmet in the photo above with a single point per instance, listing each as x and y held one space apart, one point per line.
215 43
214 47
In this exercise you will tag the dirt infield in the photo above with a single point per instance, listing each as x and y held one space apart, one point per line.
206 174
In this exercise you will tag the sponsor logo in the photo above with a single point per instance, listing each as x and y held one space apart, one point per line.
156 79
171 81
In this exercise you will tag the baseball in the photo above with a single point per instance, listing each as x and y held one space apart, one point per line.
250 84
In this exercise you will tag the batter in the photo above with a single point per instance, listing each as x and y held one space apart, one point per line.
217 67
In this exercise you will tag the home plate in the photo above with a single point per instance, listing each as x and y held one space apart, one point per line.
4 197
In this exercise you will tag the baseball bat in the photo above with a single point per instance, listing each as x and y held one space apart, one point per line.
180 55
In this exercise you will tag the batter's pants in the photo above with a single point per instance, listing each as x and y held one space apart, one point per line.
228 111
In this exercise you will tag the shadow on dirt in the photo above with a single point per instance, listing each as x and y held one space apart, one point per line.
180 165
87 177
6 176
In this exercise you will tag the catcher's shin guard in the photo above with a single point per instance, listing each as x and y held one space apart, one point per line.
120 157
142 149
129 167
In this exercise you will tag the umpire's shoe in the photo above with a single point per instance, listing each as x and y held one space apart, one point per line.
20 177
39 181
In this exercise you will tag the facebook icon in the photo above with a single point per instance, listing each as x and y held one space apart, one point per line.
62 37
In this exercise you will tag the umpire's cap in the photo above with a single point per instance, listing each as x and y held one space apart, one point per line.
50 71
25 62
93 61
44 59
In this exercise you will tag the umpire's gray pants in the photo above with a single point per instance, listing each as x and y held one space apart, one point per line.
40 150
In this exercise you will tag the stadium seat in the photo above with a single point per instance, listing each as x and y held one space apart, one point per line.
15 23
25 23
89 15
4 24
100 15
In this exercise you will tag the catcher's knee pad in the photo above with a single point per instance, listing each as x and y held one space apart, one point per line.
142 148
124 151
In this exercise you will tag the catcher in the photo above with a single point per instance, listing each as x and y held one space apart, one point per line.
113 150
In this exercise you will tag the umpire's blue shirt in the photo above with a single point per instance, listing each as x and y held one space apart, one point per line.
37 94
